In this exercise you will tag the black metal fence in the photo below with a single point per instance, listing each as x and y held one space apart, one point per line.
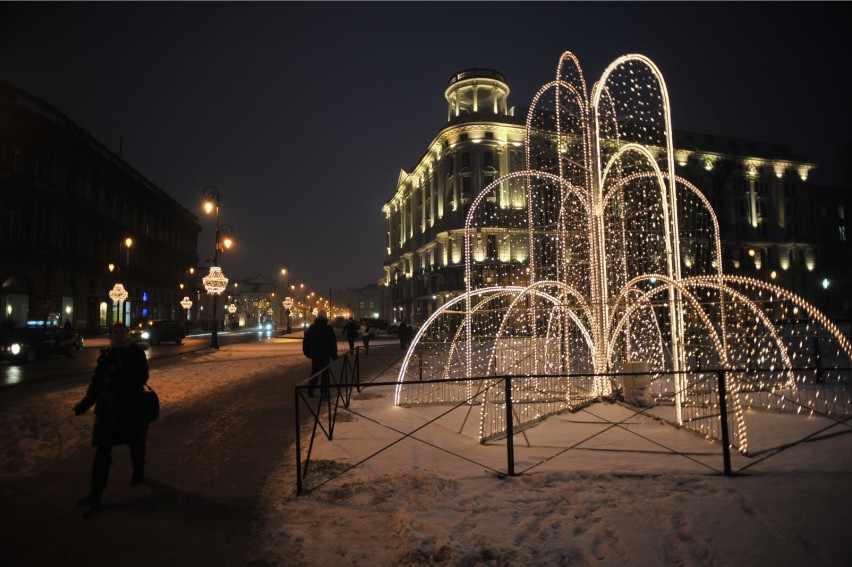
708 407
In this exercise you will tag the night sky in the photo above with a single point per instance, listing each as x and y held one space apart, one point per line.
303 114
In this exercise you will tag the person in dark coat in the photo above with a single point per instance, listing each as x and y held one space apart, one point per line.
350 331
404 336
116 391
320 345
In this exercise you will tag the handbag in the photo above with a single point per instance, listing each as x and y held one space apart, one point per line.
150 405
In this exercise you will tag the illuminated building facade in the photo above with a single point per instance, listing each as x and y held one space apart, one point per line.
768 213
67 207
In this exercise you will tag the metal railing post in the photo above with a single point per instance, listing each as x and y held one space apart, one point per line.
510 434
723 412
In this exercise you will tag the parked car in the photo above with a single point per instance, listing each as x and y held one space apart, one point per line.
26 344
156 331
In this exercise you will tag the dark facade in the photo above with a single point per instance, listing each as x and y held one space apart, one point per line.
773 224
67 207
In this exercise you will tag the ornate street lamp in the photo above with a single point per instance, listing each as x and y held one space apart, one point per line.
118 294
215 282
186 303
285 271
288 304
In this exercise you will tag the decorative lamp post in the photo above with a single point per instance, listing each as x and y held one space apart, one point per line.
186 303
118 294
285 271
215 282
128 242
232 308
288 304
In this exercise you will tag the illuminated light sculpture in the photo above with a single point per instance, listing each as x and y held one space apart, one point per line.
623 273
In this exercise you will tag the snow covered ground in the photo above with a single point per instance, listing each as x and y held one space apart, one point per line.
643 493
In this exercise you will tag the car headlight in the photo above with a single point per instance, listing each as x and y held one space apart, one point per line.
16 349
145 335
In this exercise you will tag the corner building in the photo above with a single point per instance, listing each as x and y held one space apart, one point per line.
768 214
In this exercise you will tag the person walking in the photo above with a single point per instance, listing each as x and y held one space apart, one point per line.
320 345
116 391
365 335
403 335
350 331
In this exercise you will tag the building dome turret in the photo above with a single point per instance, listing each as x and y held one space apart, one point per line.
477 91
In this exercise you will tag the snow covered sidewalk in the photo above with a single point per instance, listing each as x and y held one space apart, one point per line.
642 494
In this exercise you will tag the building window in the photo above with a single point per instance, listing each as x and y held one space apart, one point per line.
743 206
488 159
761 208
491 251
466 159
487 179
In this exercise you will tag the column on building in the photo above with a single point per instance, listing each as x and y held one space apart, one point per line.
453 164
780 193
412 211
421 186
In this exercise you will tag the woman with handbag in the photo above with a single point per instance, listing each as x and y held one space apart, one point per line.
116 391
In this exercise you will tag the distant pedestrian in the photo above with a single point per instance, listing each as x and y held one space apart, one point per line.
116 391
366 335
350 331
320 345
403 331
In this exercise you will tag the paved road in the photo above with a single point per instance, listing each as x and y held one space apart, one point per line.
59 370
